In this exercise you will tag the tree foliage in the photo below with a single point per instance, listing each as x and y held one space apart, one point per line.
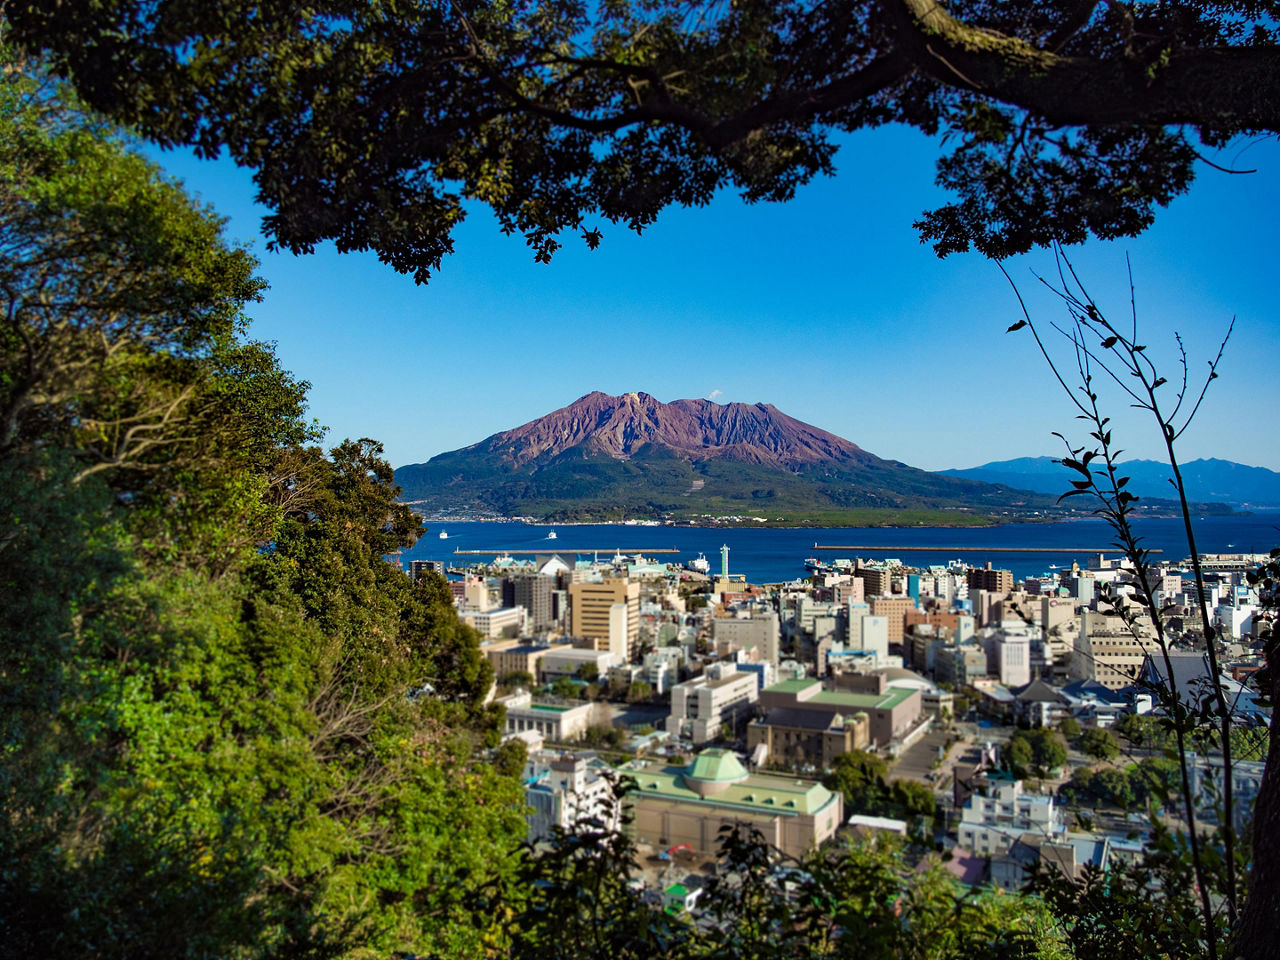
371 124
227 726
1099 744
1035 752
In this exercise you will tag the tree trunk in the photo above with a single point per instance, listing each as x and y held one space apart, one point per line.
1258 935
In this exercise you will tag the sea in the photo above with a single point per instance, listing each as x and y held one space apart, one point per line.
775 555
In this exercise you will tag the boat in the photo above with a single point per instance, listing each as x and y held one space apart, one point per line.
700 565
551 535
444 535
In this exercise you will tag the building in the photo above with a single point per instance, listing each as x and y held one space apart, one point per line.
564 789
759 631
891 713
593 617
800 737
895 610
723 695
508 658
992 581
565 661
959 665
991 822
691 804
502 622
558 723
533 593
419 568
1108 651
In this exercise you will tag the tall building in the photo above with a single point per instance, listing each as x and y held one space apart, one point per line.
993 581
895 610
533 592
418 568
590 608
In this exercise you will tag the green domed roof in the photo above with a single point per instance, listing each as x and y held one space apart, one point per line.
717 766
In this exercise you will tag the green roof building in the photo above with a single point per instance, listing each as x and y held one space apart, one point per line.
891 711
690 804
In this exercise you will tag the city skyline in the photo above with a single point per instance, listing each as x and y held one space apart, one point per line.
827 307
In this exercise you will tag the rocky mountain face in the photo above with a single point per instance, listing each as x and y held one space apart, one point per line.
604 456
619 427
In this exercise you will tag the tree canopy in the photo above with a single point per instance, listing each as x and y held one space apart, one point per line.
228 727
370 124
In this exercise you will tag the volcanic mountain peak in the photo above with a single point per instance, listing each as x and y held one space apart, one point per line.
696 429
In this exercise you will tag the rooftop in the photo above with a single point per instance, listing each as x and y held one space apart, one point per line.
842 698
756 793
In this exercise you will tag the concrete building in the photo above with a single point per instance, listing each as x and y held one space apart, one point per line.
558 723
566 661
895 610
514 657
891 713
592 615
759 631
991 821
420 568
677 805
502 622
959 665
723 695
533 593
800 737
564 789
993 581
1107 651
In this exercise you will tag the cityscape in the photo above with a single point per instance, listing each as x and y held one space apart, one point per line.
641 480
725 697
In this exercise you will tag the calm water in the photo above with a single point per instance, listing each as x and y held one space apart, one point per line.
770 555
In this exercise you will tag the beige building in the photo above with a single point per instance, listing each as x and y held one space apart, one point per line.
701 706
558 723
591 609
514 656
1107 651
895 610
891 712
800 737
677 805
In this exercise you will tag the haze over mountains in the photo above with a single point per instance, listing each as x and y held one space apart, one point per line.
1207 481
603 457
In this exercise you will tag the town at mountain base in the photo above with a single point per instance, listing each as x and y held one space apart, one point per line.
632 456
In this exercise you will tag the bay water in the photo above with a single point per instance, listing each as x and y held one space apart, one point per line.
768 555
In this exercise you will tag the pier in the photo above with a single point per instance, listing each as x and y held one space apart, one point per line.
544 551
991 549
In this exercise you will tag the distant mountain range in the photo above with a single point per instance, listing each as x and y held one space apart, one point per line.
606 457
1207 481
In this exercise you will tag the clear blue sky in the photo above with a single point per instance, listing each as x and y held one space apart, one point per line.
827 307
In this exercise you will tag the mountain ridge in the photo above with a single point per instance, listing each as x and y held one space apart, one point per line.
1209 480
634 455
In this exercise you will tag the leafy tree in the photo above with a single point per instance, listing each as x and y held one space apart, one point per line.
860 778
1099 743
1069 728
1035 751
564 688
517 678
587 671
230 727
369 125
910 798
638 692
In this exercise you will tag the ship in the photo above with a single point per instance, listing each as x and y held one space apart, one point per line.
444 535
700 565
551 535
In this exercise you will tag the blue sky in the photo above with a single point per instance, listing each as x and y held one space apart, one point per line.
827 307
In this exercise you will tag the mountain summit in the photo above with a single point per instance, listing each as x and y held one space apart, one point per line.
604 457
619 427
